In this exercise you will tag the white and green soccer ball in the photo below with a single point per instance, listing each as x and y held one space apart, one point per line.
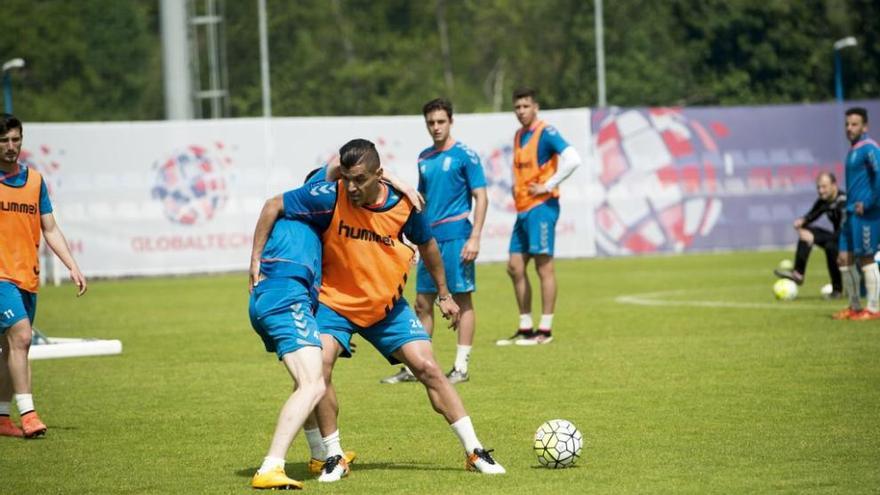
826 290
558 444
786 265
785 289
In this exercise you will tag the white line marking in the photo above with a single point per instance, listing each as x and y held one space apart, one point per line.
654 299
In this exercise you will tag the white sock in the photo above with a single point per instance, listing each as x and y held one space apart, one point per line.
4 408
332 446
872 286
270 463
851 286
462 355
525 322
316 444
25 403
546 322
464 430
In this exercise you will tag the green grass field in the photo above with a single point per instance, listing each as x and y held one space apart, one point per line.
714 387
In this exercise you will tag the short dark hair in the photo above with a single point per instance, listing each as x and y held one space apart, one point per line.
860 111
9 122
438 104
830 176
525 92
359 151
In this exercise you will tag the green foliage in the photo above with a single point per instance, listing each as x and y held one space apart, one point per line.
101 59
775 398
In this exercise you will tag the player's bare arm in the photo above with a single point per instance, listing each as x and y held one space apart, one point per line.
430 253
58 243
471 248
271 211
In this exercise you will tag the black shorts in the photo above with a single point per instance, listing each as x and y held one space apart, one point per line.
823 238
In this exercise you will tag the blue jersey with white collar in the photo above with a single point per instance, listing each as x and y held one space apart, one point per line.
447 179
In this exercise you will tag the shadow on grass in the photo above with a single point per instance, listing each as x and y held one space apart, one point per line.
299 470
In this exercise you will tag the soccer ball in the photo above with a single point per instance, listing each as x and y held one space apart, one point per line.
786 265
785 289
558 444
826 290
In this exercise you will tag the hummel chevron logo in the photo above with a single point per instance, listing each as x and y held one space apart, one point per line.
323 189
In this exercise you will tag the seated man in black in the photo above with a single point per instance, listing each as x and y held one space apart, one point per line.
831 202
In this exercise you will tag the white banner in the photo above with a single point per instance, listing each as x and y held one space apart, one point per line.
183 197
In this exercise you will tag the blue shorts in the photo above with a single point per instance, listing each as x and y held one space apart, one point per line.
399 327
15 305
459 276
535 230
281 314
859 235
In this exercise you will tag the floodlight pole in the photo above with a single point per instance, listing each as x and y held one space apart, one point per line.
600 52
838 64
264 59
8 66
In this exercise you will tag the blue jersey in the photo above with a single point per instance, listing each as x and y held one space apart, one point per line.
293 250
20 178
551 143
315 202
447 179
863 176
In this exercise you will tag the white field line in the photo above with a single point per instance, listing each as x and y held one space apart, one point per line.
656 299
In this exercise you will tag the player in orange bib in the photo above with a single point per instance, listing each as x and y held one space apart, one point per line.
363 221
542 160
25 215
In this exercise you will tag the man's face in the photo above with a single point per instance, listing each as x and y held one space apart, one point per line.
361 184
827 190
855 127
438 124
10 147
526 110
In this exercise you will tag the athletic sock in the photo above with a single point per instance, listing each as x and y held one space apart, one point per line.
462 355
4 408
464 430
525 322
851 286
332 445
316 444
801 254
25 403
270 463
546 323
872 286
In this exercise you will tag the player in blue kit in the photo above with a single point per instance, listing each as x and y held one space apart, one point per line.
25 217
542 159
860 232
282 303
451 180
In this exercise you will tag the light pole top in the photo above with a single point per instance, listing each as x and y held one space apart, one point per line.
845 42
15 63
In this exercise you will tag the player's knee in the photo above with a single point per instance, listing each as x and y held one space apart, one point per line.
515 271
20 340
427 371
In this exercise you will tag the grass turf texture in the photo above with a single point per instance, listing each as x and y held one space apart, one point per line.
670 399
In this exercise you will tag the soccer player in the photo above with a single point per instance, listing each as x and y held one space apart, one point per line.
284 278
450 178
831 203
542 160
361 220
860 231
25 214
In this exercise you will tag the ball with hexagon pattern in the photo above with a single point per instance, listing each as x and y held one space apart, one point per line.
558 444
